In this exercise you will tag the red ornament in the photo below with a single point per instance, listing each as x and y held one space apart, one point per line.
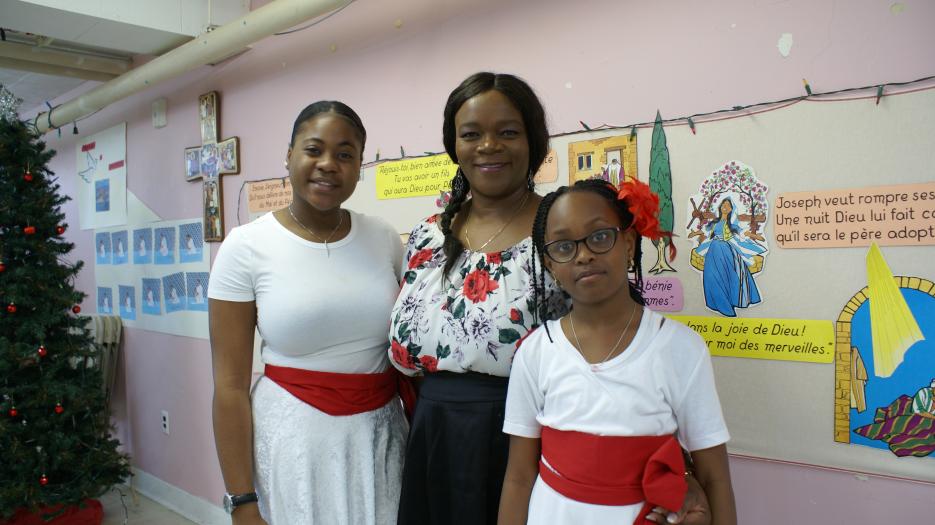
11 308
2 267
14 412
76 309
43 480
59 408
29 230
27 177
42 351
60 230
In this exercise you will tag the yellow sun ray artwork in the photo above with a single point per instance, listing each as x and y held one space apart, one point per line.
892 326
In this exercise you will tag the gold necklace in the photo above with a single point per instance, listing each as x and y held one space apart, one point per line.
495 235
595 366
315 235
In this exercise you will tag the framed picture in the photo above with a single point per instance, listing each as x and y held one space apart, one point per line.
192 163
229 155
214 228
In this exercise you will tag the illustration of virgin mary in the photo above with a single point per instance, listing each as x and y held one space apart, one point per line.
730 257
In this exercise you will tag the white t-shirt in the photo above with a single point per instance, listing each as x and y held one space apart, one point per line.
661 383
314 312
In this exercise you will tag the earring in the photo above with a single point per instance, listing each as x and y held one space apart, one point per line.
285 164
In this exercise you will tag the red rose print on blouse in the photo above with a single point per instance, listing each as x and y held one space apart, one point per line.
429 363
401 355
494 258
419 258
477 285
515 315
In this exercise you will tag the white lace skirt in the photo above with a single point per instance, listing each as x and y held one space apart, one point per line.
313 468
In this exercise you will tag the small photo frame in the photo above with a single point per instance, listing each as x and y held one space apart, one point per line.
192 163
197 287
127 297
213 228
174 286
151 302
105 300
164 246
143 246
102 195
102 253
191 243
229 152
208 104
121 247
209 161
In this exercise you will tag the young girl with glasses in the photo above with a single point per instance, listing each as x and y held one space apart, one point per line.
600 400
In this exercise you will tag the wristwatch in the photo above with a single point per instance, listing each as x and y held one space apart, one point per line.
232 501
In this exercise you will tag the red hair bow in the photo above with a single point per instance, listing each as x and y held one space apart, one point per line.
644 206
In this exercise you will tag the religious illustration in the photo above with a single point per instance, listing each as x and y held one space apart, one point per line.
885 363
660 182
197 291
102 195
724 223
118 240
610 158
127 297
174 286
209 162
191 242
102 248
105 300
143 246
164 246
151 291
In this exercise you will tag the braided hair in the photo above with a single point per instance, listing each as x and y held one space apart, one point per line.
540 292
537 134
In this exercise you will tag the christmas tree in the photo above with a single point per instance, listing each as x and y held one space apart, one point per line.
54 425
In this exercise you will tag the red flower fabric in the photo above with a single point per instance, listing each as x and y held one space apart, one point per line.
515 315
429 363
494 258
477 285
419 258
401 355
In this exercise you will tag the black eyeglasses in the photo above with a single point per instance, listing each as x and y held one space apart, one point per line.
598 241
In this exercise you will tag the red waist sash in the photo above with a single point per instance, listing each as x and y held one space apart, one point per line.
614 470
344 394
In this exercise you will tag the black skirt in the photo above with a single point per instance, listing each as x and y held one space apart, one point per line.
457 451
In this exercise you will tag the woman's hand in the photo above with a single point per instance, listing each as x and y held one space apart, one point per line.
695 509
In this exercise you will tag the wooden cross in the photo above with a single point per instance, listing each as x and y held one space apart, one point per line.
209 162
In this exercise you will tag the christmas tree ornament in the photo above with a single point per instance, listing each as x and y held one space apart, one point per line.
60 230
13 412
29 230
43 480
42 351
11 308
2 267
76 309
59 408
27 176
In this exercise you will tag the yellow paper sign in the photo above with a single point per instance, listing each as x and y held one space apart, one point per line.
810 341
268 195
415 177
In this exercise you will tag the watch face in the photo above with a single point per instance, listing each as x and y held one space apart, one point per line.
228 504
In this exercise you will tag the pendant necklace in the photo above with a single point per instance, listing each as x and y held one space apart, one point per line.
315 235
596 366
505 224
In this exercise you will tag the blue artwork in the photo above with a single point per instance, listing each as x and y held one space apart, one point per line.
191 242
164 246
197 291
143 246
105 300
127 295
102 248
102 195
118 240
174 286
152 297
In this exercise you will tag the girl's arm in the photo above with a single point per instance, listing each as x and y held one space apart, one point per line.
232 325
713 473
522 469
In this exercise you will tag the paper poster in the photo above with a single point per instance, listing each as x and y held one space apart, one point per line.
165 246
174 285
724 223
102 242
548 172
268 195
152 296
127 302
610 158
415 177
105 300
197 290
191 242
118 240
663 294
885 364
809 341
901 215
143 246
102 178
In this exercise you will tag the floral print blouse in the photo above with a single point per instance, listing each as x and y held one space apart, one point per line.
472 321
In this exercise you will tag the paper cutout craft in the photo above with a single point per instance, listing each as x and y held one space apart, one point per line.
610 158
660 181
893 326
215 159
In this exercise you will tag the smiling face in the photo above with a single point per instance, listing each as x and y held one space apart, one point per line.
324 161
725 208
589 277
491 144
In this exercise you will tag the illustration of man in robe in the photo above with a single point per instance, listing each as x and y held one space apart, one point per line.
907 425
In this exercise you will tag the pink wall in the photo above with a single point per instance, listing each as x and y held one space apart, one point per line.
622 61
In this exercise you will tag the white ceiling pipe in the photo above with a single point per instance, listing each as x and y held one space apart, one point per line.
207 48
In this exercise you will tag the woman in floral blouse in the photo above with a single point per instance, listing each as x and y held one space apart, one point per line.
466 302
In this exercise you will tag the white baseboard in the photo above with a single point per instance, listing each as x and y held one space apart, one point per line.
177 500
